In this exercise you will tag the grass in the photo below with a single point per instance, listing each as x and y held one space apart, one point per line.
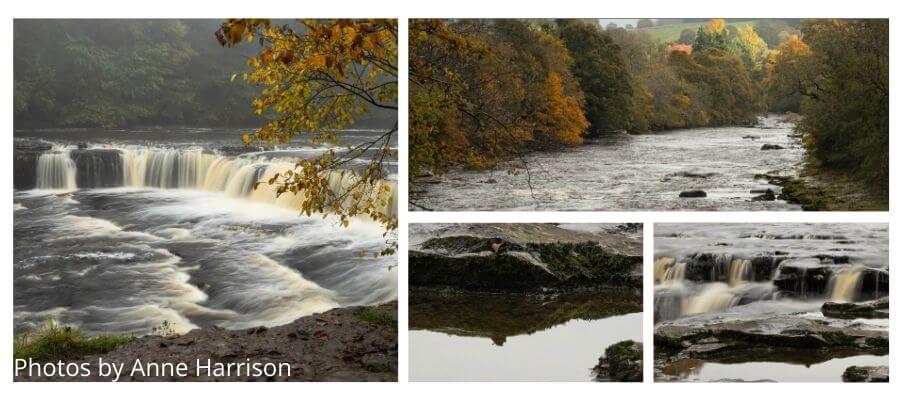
375 317
54 342
671 33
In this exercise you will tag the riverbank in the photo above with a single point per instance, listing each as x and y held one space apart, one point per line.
815 189
343 344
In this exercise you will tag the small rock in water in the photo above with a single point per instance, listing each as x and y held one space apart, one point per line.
865 374
771 147
622 362
768 195
492 180
692 193
751 137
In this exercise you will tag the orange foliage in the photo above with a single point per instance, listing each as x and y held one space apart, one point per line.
679 47
562 116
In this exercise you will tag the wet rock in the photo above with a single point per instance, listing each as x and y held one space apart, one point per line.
343 344
751 137
692 193
802 280
768 195
865 374
785 331
525 258
622 362
768 146
25 157
236 150
870 309
489 181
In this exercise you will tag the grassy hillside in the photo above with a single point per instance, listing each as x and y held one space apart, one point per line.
670 33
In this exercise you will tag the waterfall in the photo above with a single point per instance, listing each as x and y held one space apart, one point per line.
845 285
660 266
739 272
180 169
56 170
676 272
715 296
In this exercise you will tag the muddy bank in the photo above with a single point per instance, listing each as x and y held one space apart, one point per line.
344 344
523 258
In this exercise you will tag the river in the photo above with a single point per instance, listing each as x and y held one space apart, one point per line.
631 172
133 231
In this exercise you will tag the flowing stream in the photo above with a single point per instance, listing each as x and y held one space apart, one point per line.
632 172
124 232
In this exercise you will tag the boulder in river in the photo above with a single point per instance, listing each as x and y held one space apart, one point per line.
767 195
622 362
768 146
869 309
519 258
692 193
866 374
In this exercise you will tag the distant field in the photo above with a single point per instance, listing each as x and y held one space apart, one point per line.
670 33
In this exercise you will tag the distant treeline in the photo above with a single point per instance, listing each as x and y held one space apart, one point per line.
126 72
485 91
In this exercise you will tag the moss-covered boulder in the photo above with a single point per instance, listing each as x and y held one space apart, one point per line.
524 258
622 362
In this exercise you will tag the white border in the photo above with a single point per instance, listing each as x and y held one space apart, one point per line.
445 9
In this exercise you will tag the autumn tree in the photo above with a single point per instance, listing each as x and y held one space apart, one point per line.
560 116
315 80
751 48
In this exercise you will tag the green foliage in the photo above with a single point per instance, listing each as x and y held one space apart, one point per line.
375 316
846 105
601 75
55 342
118 73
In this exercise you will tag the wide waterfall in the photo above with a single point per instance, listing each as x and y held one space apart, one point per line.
165 168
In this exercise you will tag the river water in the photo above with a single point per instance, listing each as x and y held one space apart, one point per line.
718 273
138 230
514 338
632 172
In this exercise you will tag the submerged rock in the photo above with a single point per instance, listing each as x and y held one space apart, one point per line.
865 374
622 362
771 147
344 344
692 193
525 258
870 309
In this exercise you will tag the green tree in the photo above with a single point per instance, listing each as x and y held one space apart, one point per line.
601 75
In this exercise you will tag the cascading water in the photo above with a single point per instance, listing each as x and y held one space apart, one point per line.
176 169
740 271
56 170
845 285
